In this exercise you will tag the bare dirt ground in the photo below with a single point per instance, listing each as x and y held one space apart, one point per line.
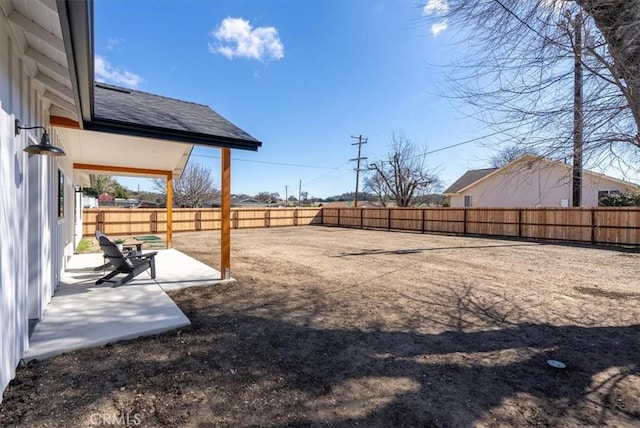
340 327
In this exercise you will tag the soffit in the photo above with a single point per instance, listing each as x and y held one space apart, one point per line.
121 151
36 30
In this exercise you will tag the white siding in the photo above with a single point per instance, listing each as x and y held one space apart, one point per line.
34 242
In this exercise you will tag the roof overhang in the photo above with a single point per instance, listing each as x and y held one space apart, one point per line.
76 20
137 130
102 144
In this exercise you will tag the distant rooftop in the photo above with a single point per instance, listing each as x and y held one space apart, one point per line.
469 178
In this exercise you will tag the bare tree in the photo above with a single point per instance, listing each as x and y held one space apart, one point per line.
508 154
518 75
619 23
268 197
403 175
194 189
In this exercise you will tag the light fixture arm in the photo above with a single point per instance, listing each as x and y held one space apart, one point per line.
18 127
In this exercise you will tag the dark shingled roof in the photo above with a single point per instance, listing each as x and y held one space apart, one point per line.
469 178
140 110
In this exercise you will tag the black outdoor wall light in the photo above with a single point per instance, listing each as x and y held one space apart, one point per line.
45 147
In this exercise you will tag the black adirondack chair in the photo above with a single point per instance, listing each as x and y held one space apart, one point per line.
130 265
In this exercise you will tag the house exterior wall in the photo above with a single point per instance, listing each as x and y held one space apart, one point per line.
537 184
34 242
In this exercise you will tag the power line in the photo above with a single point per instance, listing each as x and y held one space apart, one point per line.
268 162
473 140
313 180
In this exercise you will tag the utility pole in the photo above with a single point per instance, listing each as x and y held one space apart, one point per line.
286 195
361 140
300 193
577 112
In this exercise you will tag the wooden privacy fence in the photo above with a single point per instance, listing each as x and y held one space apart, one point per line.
593 225
134 221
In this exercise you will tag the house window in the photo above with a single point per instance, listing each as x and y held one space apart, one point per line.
468 201
60 194
601 193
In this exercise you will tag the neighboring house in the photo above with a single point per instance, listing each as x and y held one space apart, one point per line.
89 202
348 204
46 79
105 197
531 181
120 203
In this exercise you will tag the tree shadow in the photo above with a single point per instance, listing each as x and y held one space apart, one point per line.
233 367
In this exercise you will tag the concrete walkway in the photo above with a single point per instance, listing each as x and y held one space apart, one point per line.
82 314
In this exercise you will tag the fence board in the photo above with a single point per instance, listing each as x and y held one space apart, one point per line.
597 225
132 221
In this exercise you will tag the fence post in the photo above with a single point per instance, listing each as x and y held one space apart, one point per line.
295 217
322 216
389 219
593 225
338 216
154 222
422 221
267 217
464 221
361 219
100 221
520 223
198 220
234 219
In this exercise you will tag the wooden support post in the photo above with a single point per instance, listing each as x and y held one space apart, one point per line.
267 216
361 218
423 217
322 216
295 217
593 225
389 219
338 216
169 209
225 204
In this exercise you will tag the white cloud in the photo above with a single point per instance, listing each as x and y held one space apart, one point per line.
438 27
112 43
436 6
237 38
105 72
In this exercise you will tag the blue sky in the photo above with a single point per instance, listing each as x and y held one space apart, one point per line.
300 76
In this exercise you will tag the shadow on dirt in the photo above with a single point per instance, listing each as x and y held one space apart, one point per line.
235 368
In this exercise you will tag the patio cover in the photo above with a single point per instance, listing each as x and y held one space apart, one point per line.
131 132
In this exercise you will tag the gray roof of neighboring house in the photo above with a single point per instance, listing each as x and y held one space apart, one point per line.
143 112
469 178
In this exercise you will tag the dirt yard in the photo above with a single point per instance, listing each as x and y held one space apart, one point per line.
340 327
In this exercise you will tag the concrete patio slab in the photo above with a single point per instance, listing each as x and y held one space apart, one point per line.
82 314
